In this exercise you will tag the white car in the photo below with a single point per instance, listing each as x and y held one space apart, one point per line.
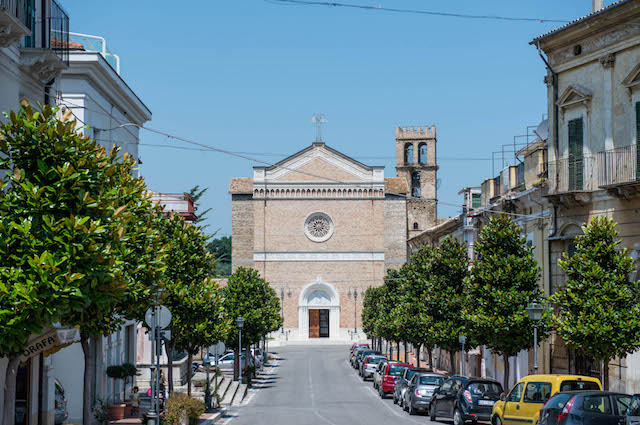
227 361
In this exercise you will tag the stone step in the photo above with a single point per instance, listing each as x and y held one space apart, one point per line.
230 393
223 386
240 394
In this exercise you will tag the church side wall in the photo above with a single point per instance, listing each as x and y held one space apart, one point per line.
242 228
395 232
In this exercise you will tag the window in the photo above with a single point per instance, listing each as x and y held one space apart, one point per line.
422 153
558 401
408 154
485 388
516 393
414 380
415 184
596 404
430 380
576 160
415 226
446 387
395 370
579 386
634 406
622 402
537 392
476 200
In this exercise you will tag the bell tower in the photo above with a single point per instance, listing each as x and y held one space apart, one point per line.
416 162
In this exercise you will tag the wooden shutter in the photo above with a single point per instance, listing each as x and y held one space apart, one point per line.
637 140
576 158
314 323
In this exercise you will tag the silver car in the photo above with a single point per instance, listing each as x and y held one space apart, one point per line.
417 397
61 411
370 364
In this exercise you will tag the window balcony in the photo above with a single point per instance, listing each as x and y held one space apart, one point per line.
572 179
13 21
619 170
45 54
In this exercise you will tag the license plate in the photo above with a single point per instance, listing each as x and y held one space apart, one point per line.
486 402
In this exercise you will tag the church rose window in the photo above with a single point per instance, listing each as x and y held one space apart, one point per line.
318 227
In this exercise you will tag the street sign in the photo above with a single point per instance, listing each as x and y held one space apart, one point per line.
163 316
218 348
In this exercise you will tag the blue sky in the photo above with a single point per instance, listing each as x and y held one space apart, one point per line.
247 75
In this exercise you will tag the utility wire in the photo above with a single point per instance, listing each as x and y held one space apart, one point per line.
413 11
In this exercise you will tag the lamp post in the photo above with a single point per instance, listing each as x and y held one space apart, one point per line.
535 310
282 305
207 391
355 307
462 339
240 324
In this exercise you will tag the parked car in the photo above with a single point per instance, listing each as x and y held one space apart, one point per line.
403 382
357 345
355 354
361 355
227 361
633 411
531 392
377 374
369 365
390 375
61 413
417 396
585 408
462 399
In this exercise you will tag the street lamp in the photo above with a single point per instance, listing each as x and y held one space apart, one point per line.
282 305
355 309
207 392
535 310
462 339
240 324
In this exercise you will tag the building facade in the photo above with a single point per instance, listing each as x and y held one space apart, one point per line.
321 227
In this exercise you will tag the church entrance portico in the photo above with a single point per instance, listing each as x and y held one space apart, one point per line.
319 311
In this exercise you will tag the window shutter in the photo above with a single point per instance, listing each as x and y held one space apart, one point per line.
637 140
576 159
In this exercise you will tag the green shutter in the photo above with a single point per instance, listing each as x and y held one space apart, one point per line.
576 159
637 140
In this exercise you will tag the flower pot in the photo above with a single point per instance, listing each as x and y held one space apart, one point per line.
118 411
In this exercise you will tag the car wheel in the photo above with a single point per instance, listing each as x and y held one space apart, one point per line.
496 420
457 418
401 402
382 394
410 408
432 413
395 399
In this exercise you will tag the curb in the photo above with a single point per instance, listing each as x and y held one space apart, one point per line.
213 418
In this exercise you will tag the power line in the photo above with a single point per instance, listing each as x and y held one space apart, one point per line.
413 11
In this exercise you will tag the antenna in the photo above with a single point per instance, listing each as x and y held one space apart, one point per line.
318 120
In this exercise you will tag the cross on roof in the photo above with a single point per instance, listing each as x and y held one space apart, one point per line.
318 120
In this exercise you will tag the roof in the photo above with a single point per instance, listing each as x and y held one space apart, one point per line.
579 20
444 226
241 185
395 185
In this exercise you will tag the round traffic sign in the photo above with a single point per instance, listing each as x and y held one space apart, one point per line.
163 316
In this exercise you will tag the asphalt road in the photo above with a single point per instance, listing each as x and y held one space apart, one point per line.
315 385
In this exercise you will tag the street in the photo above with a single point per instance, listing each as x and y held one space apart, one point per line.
315 385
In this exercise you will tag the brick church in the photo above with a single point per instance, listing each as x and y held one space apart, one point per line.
321 227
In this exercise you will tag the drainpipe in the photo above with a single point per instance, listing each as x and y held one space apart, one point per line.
554 77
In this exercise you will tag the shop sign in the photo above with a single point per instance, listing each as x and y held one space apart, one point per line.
48 341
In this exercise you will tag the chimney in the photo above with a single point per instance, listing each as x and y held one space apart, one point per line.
598 5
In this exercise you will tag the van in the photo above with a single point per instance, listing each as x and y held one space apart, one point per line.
528 396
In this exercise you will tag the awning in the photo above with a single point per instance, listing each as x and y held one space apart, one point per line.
561 238
49 342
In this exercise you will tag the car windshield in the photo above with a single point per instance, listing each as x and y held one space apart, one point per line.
431 380
485 388
395 370
558 401
375 360
579 386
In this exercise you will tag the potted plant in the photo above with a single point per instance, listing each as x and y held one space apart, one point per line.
123 372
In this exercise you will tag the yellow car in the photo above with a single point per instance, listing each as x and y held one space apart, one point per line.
526 398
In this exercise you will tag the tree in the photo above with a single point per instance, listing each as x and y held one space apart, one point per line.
369 313
598 309
220 248
503 281
250 296
389 293
68 199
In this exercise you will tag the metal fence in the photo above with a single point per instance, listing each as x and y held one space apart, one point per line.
17 8
572 174
618 166
58 29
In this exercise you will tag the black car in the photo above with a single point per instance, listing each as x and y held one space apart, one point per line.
585 408
403 382
465 399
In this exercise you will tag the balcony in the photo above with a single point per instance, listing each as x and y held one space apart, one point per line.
13 20
572 179
177 203
619 171
45 55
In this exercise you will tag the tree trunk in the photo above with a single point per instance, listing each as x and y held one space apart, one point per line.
430 352
10 391
605 375
506 373
236 363
418 355
169 350
190 363
406 353
88 348
452 360
248 361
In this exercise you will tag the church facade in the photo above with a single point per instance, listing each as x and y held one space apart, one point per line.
321 227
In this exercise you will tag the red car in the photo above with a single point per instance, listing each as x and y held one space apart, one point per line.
353 347
390 375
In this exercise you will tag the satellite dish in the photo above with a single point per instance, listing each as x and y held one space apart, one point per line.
543 130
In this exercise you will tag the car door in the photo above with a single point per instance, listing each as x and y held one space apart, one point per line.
439 396
534 397
622 403
512 405
449 398
597 410
410 389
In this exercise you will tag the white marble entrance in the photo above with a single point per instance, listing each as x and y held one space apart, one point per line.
319 295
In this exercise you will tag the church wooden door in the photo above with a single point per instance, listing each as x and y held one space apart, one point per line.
314 323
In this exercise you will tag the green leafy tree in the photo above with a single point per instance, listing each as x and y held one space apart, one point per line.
71 203
369 313
220 248
389 328
598 308
250 296
503 281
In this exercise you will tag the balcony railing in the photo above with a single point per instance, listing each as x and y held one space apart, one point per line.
17 8
619 166
573 174
58 26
